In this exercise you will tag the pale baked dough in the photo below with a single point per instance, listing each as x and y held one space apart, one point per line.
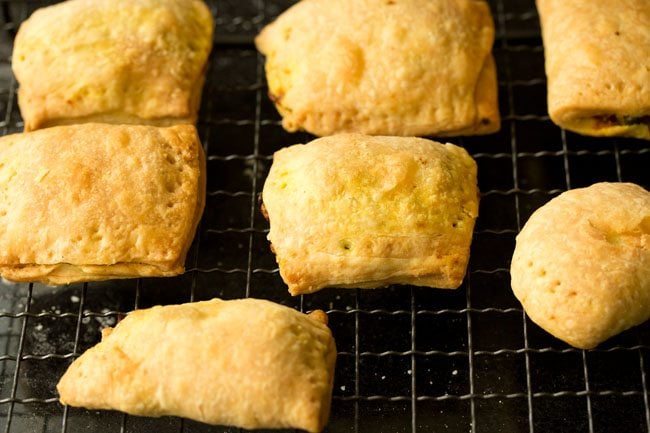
384 67
581 267
596 65
358 211
248 363
94 202
112 61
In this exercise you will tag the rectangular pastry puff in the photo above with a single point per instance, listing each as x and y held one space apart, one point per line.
112 61
95 202
596 65
249 363
405 67
358 211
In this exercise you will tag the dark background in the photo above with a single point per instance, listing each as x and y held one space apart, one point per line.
410 359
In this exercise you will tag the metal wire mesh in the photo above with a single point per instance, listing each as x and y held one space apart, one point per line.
410 359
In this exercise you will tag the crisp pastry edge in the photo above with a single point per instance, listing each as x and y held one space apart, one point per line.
487 120
596 123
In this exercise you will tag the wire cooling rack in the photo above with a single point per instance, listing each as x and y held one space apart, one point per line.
410 359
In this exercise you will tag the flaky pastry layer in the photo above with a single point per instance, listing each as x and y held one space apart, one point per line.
357 211
96 201
408 67
115 61
248 363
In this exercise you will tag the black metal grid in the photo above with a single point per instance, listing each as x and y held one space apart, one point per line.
410 359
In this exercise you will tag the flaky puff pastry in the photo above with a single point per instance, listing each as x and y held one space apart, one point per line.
95 201
358 211
596 64
383 67
248 363
112 61
581 266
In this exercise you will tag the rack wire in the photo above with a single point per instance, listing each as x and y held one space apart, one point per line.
410 359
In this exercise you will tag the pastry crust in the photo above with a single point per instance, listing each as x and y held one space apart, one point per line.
94 202
581 267
596 65
358 211
112 61
248 363
384 67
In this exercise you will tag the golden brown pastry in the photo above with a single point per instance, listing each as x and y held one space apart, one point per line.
358 211
596 65
581 267
94 202
248 363
112 61
384 67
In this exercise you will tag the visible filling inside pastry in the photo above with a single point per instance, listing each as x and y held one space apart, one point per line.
607 120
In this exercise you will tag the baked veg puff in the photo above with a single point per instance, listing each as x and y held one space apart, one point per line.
358 211
581 266
112 61
597 65
249 363
383 67
95 202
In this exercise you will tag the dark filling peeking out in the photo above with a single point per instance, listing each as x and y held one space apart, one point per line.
606 120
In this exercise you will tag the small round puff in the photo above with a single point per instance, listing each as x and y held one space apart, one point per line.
581 266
